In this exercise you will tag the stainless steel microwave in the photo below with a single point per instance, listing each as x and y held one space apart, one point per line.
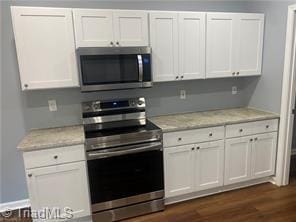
108 68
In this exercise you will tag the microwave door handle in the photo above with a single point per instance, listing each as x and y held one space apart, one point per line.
140 64
101 155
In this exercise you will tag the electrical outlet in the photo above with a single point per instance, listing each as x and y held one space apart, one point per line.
52 105
234 90
183 94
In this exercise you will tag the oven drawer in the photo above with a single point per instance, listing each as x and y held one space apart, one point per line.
193 136
244 129
54 156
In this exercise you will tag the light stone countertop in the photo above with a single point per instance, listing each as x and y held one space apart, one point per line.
52 137
72 135
186 121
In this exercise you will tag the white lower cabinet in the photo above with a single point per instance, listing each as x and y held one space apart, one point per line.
179 170
237 160
209 164
60 187
57 183
193 167
250 157
264 155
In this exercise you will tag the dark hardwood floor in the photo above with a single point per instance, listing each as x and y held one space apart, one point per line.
265 202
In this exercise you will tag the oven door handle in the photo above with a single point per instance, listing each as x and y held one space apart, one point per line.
101 155
140 64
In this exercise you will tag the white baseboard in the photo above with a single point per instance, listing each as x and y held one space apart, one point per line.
15 205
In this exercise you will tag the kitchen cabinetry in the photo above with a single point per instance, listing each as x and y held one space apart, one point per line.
209 165
178 45
237 160
234 44
164 43
192 45
45 47
179 170
195 166
250 157
57 179
101 28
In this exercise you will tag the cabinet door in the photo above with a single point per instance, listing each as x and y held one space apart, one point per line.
164 43
179 170
264 154
130 28
192 45
237 160
60 186
209 165
221 43
93 28
45 47
250 44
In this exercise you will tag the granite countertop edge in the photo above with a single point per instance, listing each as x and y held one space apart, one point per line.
217 124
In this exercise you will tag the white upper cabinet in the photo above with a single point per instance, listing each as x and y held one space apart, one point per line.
45 47
250 44
192 45
220 45
164 43
264 154
131 28
209 165
234 44
179 170
93 27
101 28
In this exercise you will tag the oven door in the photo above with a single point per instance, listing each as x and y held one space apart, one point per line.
126 175
111 68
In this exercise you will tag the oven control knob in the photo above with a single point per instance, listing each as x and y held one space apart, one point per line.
96 106
140 102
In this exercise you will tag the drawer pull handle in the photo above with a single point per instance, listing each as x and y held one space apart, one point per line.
198 147
192 148
267 126
55 157
241 130
251 140
211 134
179 139
30 175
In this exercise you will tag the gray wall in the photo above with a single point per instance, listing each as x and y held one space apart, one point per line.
24 110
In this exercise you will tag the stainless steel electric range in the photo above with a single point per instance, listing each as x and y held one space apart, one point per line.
125 159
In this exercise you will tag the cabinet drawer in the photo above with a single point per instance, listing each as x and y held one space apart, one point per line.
193 136
54 156
244 129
